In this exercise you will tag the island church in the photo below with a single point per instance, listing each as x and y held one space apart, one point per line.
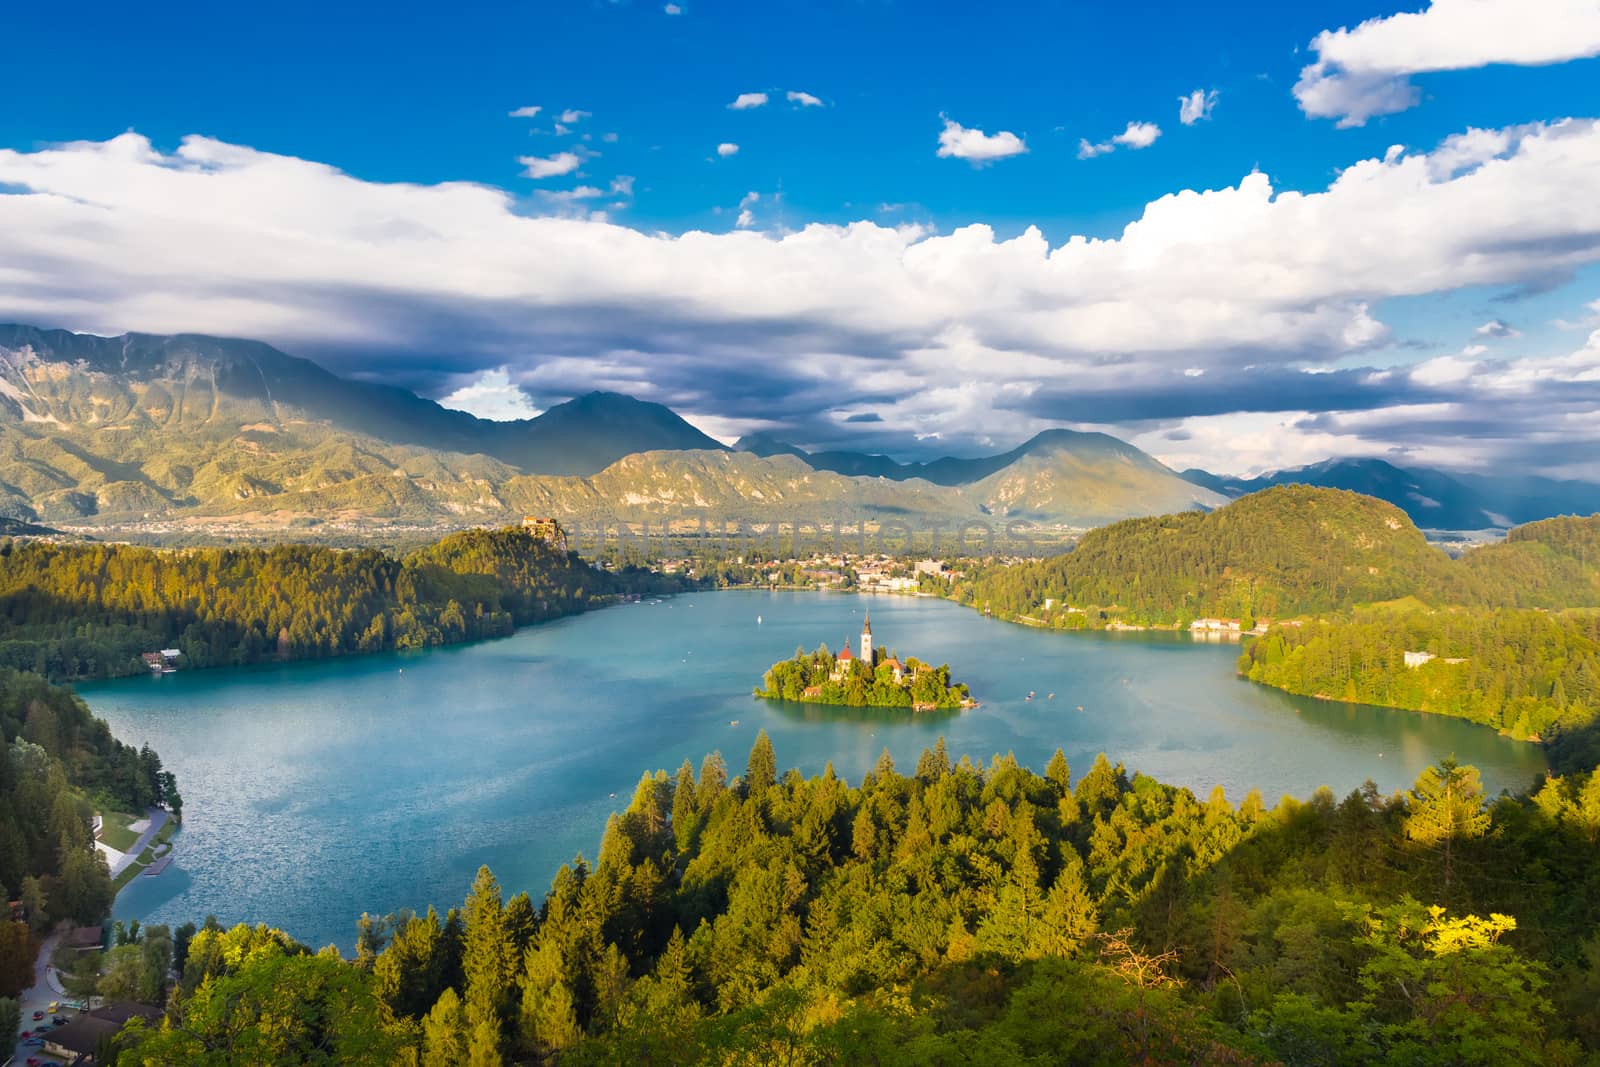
846 657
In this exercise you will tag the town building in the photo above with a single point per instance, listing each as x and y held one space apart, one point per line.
80 1039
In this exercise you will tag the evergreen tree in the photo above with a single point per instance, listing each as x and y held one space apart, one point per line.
1444 807
487 959
548 1020
762 770
444 1031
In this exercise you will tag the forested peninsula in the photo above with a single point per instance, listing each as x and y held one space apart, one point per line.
83 611
960 914
1355 604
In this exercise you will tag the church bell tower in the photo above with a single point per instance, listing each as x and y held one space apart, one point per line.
866 641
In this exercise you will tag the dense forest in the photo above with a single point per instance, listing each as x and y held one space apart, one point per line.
60 765
1349 586
1530 674
1286 551
820 678
72 611
962 914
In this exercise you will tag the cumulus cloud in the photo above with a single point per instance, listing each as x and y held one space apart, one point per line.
795 96
1527 414
573 115
976 147
746 101
673 9
1497 328
531 111
491 396
550 166
747 217
1196 106
1366 72
956 332
727 148
1138 135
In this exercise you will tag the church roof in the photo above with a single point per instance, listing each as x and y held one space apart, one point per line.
866 624
847 654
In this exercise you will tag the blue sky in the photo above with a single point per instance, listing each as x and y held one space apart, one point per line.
422 95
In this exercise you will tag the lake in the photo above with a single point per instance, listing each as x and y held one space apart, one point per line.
316 791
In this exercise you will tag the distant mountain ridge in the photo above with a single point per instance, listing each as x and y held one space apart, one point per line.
1434 499
582 436
148 429
948 470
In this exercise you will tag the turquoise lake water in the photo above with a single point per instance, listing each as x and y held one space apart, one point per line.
316 791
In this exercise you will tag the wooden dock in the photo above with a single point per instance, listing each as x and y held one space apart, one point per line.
158 866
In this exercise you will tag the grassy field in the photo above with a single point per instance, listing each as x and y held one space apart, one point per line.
115 832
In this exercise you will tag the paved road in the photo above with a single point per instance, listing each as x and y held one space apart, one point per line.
36 997
46 986
158 819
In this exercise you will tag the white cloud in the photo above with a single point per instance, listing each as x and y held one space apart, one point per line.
567 196
746 101
492 396
747 217
976 147
221 238
1138 135
795 96
1497 328
1196 106
528 112
572 115
550 166
673 9
622 185
727 148
1365 72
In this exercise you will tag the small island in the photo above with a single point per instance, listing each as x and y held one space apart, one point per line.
871 679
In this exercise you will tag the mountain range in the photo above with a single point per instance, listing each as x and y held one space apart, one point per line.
194 430
1434 499
188 431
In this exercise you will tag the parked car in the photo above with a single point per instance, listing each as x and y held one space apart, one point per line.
59 1020
38 1015
34 1042
55 1006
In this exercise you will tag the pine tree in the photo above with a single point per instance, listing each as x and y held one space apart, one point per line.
444 1031
548 1020
1446 805
762 770
1069 917
713 780
1058 773
483 1044
486 958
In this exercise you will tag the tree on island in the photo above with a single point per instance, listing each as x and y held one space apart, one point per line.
822 678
